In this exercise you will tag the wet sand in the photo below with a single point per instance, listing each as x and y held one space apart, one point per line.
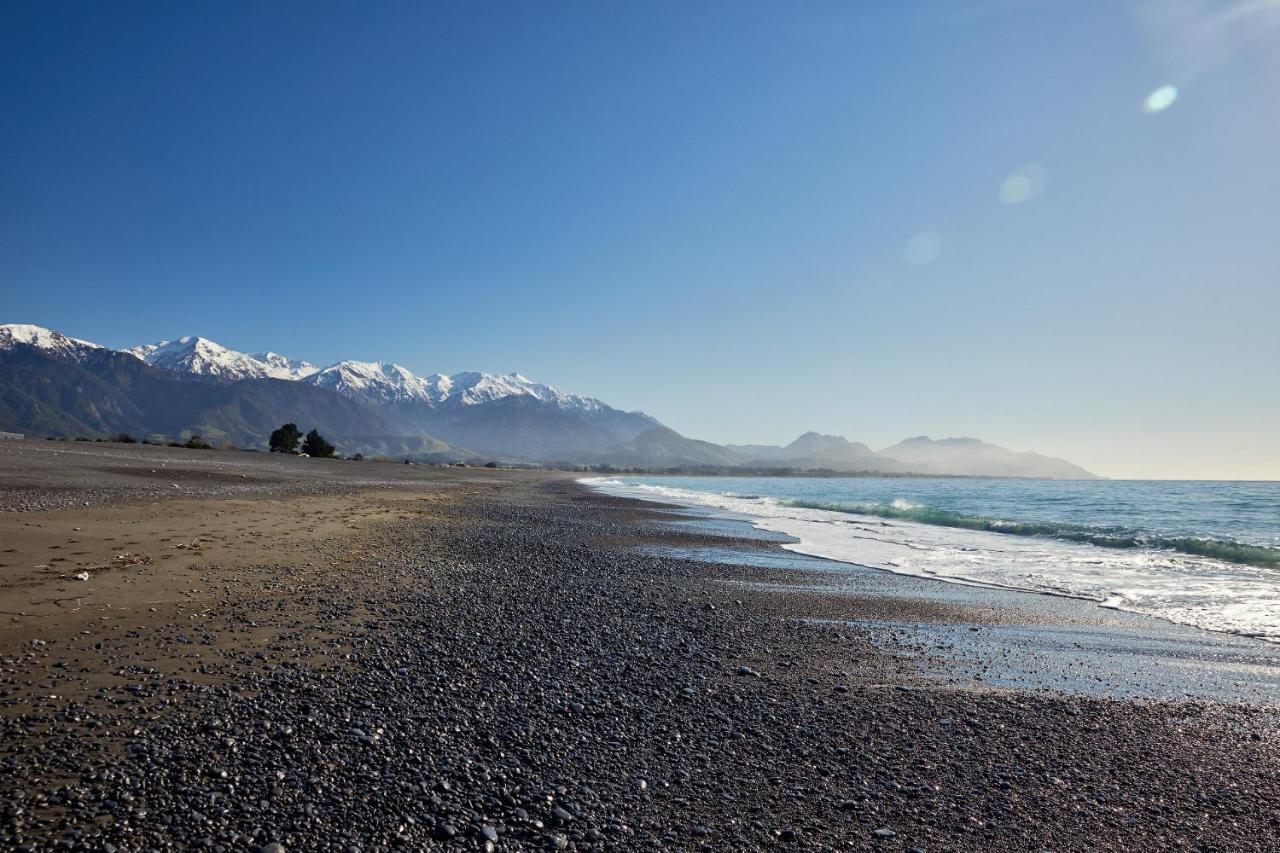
370 656
983 637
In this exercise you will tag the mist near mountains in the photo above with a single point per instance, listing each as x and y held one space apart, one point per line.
52 384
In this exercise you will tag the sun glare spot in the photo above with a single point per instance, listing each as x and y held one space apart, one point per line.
1161 99
1023 184
923 248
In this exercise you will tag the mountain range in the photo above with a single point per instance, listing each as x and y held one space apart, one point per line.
53 384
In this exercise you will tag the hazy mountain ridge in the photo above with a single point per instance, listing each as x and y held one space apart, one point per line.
917 455
814 450
54 384
971 456
663 447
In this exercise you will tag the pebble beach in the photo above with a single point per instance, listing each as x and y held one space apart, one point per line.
297 654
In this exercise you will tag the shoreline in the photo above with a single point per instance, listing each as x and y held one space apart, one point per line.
977 635
504 668
1221 596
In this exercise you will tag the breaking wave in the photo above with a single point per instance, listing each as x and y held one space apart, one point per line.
1219 549
1162 570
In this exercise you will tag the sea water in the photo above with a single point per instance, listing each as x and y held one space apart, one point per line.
1194 552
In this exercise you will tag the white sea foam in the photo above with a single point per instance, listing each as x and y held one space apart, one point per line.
1186 589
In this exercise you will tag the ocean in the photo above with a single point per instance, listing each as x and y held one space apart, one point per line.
1194 552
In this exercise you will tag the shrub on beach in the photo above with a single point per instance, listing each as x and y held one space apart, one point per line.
285 439
315 445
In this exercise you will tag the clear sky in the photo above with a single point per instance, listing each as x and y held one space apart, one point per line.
748 219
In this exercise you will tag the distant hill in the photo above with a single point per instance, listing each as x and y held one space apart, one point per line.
663 447
523 429
920 455
817 451
420 448
974 457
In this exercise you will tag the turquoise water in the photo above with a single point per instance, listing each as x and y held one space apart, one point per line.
1235 518
1202 553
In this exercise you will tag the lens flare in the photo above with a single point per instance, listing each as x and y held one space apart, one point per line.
923 248
1161 99
1023 184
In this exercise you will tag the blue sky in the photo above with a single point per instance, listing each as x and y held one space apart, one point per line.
749 219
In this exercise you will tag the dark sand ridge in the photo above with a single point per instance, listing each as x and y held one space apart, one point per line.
511 665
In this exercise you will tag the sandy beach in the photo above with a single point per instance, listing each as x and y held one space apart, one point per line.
229 651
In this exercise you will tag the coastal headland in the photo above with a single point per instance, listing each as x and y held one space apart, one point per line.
239 651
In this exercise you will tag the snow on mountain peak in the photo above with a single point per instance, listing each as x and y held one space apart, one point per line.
391 382
42 338
378 380
472 388
285 367
201 356
469 387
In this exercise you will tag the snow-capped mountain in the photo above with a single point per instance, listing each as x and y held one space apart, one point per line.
284 367
375 381
500 415
386 382
470 389
371 381
52 384
507 414
203 357
504 415
55 343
